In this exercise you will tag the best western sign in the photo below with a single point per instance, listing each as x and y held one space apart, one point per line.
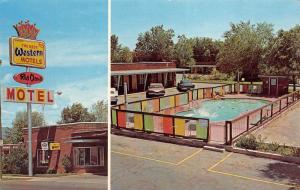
27 53
28 95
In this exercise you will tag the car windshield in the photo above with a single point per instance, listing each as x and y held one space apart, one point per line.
155 86
186 81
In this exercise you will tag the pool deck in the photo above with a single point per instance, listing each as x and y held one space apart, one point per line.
285 129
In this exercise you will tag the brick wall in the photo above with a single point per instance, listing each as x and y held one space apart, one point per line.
61 134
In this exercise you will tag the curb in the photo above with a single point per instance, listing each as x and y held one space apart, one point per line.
290 159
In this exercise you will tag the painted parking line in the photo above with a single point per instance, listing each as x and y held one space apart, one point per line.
144 158
211 169
157 160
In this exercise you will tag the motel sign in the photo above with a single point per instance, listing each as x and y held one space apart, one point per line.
28 95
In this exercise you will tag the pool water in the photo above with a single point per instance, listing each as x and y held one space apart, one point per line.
223 109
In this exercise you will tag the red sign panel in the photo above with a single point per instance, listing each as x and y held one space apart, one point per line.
28 78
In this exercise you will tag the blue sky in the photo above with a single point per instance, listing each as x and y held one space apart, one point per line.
75 33
208 18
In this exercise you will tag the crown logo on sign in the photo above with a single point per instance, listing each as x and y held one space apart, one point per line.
26 30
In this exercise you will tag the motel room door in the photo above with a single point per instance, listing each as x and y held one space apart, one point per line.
273 86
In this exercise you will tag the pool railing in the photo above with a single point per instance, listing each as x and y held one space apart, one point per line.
256 118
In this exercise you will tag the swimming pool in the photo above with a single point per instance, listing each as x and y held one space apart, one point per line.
223 109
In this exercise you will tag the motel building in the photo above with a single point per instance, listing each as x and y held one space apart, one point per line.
139 75
84 144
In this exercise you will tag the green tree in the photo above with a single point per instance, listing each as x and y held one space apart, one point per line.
183 52
15 134
283 55
244 48
155 45
99 110
206 49
119 54
16 162
76 113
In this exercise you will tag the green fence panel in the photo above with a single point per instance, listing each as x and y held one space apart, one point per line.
149 124
195 92
114 117
201 129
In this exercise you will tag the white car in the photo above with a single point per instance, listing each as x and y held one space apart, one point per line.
113 96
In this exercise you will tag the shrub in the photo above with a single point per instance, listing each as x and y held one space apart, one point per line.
247 142
16 162
67 163
51 171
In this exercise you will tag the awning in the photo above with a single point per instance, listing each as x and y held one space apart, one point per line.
147 71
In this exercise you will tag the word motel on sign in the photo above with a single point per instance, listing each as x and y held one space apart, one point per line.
25 95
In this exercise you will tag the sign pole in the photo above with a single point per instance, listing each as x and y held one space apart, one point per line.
30 173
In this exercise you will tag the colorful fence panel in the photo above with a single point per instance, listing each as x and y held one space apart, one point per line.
167 102
114 117
207 93
200 94
195 95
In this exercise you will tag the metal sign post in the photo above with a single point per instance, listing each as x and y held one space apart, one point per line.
30 169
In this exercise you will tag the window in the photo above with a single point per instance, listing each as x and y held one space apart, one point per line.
43 158
142 78
89 156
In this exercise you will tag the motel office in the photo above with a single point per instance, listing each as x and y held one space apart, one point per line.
139 75
84 144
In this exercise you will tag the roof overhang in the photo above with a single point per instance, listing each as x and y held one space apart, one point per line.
147 71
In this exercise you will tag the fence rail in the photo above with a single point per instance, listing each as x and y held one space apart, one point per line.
242 124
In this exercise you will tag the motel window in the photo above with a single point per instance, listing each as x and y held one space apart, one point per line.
142 79
89 156
43 158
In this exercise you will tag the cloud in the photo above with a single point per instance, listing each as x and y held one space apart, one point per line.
70 53
86 92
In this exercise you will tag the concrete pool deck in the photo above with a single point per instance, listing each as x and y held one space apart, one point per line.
285 129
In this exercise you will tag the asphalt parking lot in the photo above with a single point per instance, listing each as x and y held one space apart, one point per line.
149 165
70 182
169 91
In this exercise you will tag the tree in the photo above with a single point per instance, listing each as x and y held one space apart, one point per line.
15 134
183 52
99 110
119 54
155 45
16 162
76 113
244 48
205 49
283 56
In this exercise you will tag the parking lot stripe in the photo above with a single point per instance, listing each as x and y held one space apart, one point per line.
211 169
189 157
252 179
215 165
145 158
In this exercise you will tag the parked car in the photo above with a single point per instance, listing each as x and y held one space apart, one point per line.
113 96
185 85
155 89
